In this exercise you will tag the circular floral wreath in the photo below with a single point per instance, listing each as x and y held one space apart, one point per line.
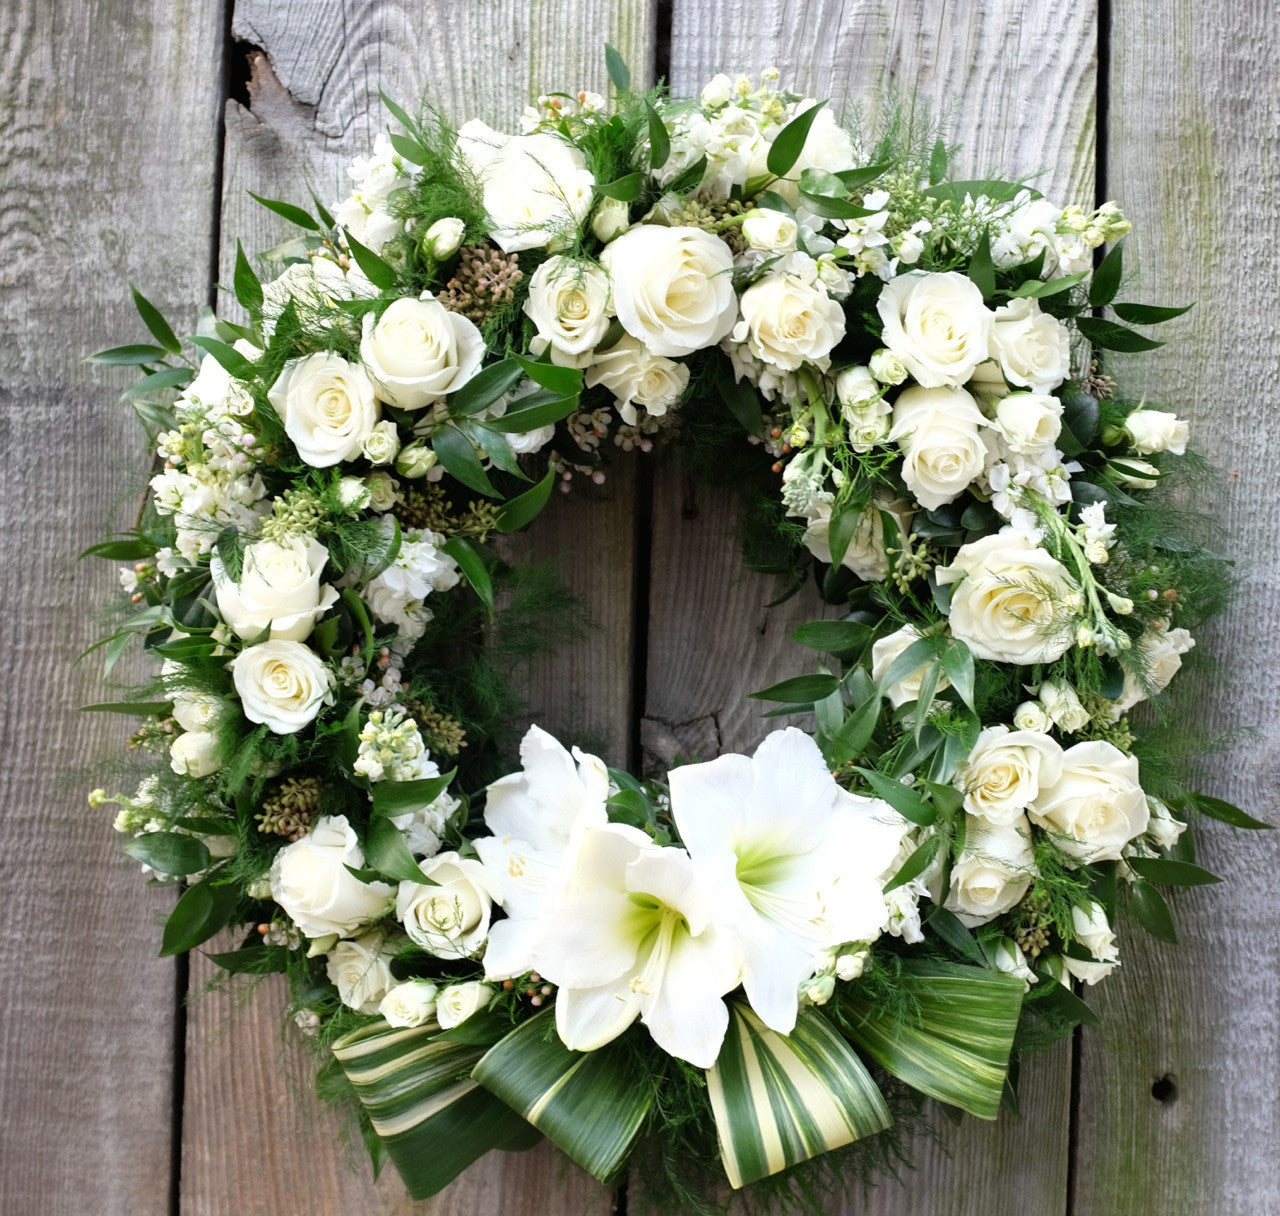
759 960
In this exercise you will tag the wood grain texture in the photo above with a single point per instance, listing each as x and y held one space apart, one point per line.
97 114
1018 84
314 105
1193 158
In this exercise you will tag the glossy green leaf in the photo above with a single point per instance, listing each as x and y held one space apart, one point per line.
1106 279
155 322
141 709
740 396
790 141
386 852
472 565
624 189
1171 873
203 909
295 215
659 140
919 861
590 1104
854 734
523 509
1038 289
1225 812
231 359
617 68
903 798
782 1099
378 271
982 270
1151 911
458 455
1107 335
833 637
485 387
798 690
173 853
957 663
1148 314
393 798
247 285
135 355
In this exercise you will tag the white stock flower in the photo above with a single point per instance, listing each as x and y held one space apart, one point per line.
194 753
311 882
412 1003
940 433
716 92
1005 772
791 863
281 684
672 287
883 654
278 589
418 352
993 872
361 972
1011 604
1096 806
448 915
788 322
1033 348
327 406
456 1003
537 189
1029 422
937 324
569 304
634 939
637 377
397 595
1156 431
537 817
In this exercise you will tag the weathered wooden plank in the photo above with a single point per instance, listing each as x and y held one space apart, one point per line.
314 105
99 110
1018 83
1192 158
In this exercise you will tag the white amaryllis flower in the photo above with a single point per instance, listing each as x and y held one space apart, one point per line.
633 938
537 817
792 864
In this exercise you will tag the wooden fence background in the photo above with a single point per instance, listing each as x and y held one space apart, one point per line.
132 130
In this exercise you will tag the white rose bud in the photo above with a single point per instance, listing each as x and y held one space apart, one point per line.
992 873
458 1002
1087 972
361 972
311 882
384 490
1029 422
635 376
1093 932
279 589
1030 715
717 92
418 352
382 443
410 1004
444 238
1156 431
1097 806
611 219
281 684
416 459
886 367
937 324
1134 474
569 303
1008 603
856 386
1062 703
327 406
672 287
1034 349
194 754
450 919
1163 829
772 231
1008 957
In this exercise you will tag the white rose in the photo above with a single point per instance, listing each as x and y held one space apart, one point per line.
1005 771
1029 422
1009 605
384 491
281 684
1034 349
361 972
886 367
1097 806
327 406
772 231
451 918
1163 829
672 287
410 1004
419 352
865 554
194 754
459 1001
444 238
381 444
1157 431
937 324
883 654
611 219
569 303
1062 703
636 377
1093 931
536 188
939 432
416 459
279 589
855 386
787 322
192 710
1160 652
993 871
311 882
1088 972
717 91
1030 715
